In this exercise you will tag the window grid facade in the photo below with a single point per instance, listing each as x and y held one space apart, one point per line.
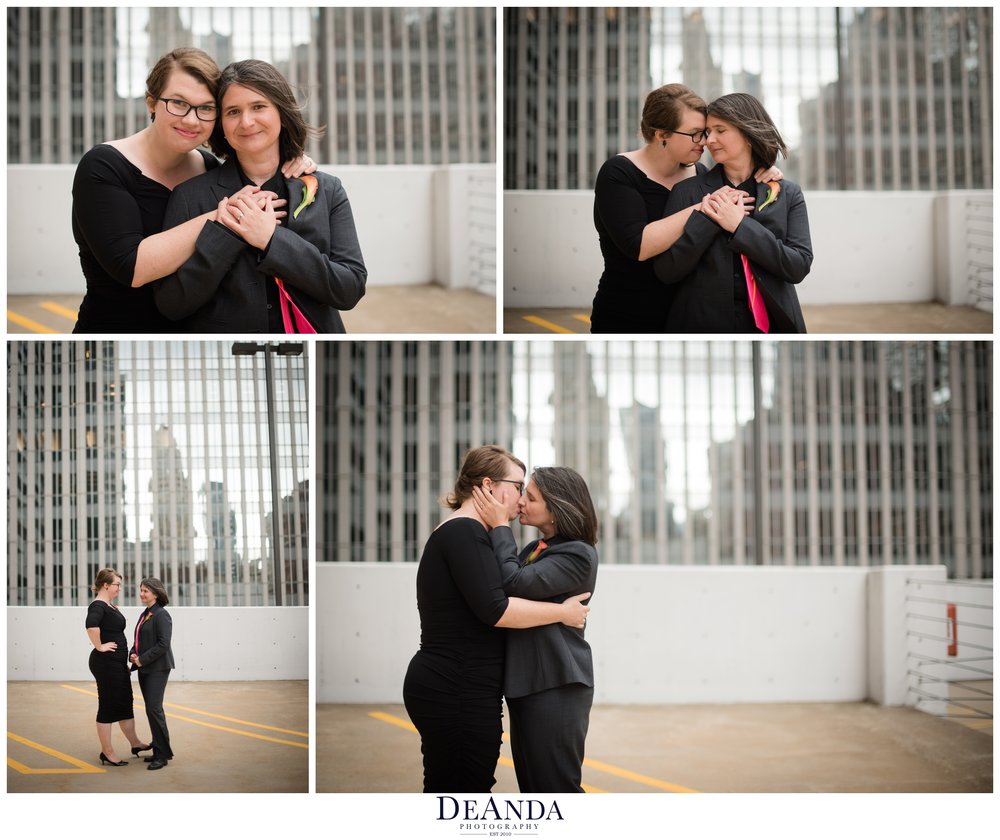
391 85
771 453
867 98
153 459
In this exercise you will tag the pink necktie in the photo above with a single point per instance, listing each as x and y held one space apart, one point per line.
756 301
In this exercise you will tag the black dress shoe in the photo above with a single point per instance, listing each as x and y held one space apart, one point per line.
157 763
106 760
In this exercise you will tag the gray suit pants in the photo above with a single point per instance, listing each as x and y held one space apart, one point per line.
547 735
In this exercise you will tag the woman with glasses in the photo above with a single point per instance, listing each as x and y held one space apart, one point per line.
120 194
732 272
630 195
109 664
549 674
454 683
248 274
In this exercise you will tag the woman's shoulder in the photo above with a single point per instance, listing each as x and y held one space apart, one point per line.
618 167
103 160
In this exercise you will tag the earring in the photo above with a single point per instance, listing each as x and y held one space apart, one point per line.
664 144
152 116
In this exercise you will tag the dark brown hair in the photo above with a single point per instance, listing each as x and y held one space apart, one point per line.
269 83
196 63
567 497
104 576
748 115
156 586
664 108
488 461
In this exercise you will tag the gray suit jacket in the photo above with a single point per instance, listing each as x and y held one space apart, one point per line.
541 658
700 263
222 287
154 641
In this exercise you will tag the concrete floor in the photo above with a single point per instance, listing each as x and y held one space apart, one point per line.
873 319
227 737
384 309
791 748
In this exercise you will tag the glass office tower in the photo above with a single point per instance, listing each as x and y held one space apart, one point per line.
772 453
182 461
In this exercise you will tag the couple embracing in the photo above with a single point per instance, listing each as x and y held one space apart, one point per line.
497 623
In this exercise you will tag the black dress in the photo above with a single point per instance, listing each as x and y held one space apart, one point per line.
115 207
453 685
110 669
630 298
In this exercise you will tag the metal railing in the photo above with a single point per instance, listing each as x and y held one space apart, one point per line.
949 629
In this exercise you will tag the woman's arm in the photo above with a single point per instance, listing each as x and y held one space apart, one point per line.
676 263
521 614
95 639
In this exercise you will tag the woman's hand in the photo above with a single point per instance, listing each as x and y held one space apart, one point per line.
576 612
302 165
727 211
762 176
492 512
245 218
134 659
107 647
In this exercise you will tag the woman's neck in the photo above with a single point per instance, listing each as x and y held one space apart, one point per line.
738 171
660 162
156 155
260 168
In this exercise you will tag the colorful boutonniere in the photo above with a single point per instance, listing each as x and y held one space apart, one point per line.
542 545
308 194
773 189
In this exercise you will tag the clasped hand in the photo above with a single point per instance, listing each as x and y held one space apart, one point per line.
252 214
727 207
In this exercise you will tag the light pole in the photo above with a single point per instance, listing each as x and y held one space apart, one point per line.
251 348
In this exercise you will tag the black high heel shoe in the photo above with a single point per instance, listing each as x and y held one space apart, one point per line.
137 750
106 760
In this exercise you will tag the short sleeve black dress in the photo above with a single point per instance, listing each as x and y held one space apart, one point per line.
110 669
453 685
630 298
115 207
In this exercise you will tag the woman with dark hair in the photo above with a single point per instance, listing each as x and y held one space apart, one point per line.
247 273
109 665
549 676
452 689
630 195
736 273
152 658
120 194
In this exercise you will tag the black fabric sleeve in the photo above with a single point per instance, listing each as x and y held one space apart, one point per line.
107 213
681 258
558 571
94 615
621 208
474 570
788 258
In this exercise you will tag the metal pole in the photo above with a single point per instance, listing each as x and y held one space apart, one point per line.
275 495
758 457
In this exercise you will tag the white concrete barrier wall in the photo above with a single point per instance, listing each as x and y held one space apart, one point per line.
660 634
209 643
413 223
868 247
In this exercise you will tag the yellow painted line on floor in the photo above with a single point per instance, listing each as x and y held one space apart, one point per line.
56 309
636 777
584 318
547 325
213 725
237 720
78 765
28 324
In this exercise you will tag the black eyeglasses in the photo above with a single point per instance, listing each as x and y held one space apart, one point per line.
696 136
180 108
518 484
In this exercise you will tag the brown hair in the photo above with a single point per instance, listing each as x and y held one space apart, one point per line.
488 461
748 115
155 586
567 497
268 82
196 63
104 576
664 108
